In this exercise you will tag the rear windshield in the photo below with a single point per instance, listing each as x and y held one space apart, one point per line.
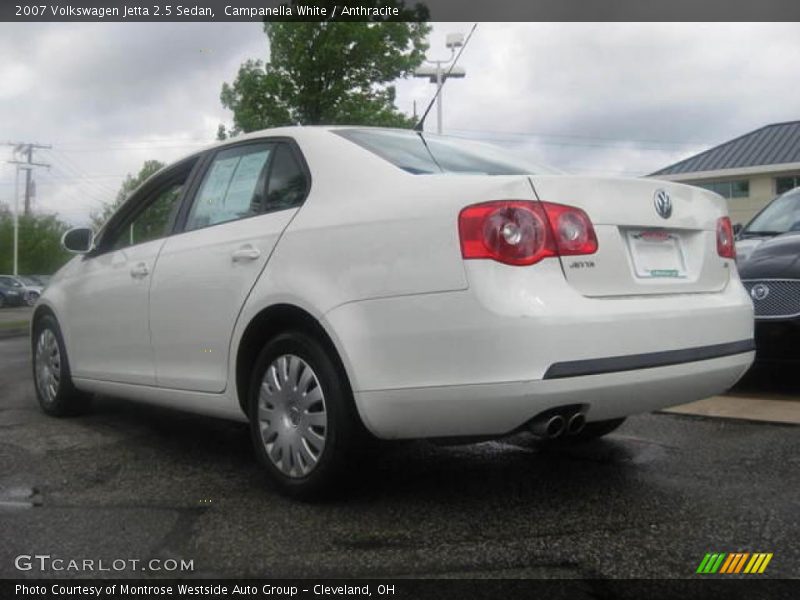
426 154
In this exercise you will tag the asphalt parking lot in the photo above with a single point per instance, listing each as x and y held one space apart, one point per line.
135 482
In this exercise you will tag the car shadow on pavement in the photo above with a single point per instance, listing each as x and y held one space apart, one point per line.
518 466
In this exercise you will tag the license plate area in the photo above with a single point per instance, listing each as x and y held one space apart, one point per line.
656 254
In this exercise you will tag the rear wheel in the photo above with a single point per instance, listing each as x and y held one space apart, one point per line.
302 419
51 375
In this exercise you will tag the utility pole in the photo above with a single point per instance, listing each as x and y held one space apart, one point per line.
26 150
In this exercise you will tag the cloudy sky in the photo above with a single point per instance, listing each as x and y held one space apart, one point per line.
595 98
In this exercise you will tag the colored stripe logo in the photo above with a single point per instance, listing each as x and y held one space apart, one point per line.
729 563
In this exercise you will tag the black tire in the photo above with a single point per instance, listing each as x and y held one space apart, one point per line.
67 401
342 431
31 298
2 301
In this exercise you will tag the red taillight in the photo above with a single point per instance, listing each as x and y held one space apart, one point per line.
519 232
573 229
726 244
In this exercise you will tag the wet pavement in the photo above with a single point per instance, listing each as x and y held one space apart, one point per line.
134 482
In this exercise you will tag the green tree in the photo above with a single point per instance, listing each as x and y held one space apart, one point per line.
329 72
128 186
39 245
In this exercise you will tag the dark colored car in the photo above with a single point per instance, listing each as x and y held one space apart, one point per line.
768 249
12 292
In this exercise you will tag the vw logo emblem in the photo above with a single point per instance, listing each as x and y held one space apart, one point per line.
663 204
759 291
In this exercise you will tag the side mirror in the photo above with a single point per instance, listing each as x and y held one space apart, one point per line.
78 240
737 229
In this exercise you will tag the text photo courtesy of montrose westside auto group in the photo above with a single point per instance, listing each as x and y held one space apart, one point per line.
399 299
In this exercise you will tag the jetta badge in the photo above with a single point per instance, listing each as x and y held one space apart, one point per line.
759 291
663 204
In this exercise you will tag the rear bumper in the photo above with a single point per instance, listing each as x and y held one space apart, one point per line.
616 364
500 408
483 361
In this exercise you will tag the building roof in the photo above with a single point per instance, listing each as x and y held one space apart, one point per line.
774 144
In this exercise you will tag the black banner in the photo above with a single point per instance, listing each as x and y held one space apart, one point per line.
380 10
403 589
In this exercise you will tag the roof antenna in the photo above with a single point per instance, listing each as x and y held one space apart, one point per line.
421 123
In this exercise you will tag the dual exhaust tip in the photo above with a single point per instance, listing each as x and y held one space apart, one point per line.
552 426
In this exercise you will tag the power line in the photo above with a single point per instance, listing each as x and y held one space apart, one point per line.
68 167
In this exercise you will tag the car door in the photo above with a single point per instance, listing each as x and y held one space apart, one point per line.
107 292
247 196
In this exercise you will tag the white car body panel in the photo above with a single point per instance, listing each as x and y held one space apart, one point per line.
103 314
433 345
621 205
199 280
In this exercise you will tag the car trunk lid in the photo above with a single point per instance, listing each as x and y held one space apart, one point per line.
642 251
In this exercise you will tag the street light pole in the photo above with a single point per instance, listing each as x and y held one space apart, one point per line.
16 221
438 76
439 96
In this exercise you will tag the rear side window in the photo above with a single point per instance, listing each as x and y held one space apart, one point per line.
233 186
287 185
423 154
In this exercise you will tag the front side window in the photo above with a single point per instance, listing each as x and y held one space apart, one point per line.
233 186
153 222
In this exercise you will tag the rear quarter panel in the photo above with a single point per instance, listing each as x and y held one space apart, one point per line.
369 230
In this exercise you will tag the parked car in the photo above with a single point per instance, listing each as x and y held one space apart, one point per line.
41 280
12 292
333 284
769 263
33 288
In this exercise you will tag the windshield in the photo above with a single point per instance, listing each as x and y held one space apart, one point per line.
426 154
27 280
782 215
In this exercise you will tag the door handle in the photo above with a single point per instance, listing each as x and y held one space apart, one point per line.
140 271
246 253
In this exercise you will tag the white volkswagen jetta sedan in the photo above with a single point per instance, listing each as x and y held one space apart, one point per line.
328 284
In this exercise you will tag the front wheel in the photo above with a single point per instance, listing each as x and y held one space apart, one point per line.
302 417
31 298
51 375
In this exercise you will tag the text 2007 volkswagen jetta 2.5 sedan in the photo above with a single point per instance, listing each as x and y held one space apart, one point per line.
332 283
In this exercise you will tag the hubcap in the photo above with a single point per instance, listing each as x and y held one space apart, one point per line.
48 365
291 415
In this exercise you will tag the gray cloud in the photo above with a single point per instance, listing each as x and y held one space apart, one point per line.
595 98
